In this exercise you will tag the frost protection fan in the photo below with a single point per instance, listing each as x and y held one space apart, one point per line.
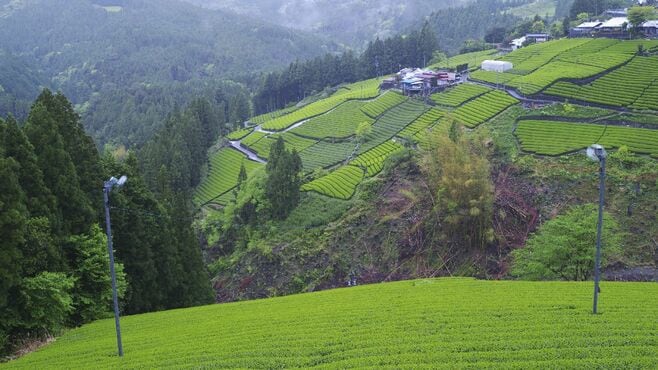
596 152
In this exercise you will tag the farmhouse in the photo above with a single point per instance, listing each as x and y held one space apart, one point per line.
585 29
616 12
650 28
616 24
496 65
537 37
412 81
517 43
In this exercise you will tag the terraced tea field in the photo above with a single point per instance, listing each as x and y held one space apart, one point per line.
539 66
339 123
483 108
373 160
458 95
425 121
422 324
339 184
239 134
360 90
546 75
383 103
602 71
473 59
530 58
394 121
621 87
224 168
554 138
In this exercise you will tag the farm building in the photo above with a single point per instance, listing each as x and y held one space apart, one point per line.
650 28
496 65
616 12
537 37
616 24
517 43
585 29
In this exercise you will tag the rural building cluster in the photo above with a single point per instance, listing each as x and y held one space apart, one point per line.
617 27
413 81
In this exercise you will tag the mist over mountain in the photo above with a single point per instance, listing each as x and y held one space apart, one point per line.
92 48
353 22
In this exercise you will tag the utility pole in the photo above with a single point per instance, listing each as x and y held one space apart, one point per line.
107 188
597 152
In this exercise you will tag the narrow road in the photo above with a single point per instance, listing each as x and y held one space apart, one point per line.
253 156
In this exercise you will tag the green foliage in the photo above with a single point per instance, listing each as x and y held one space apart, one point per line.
458 174
12 230
554 137
383 103
564 247
74 214
460 94
455 26
363 131
483 108
640 14
507 324
372 161
420 124
239 134
283 181
369 90
339 184
316 210
339 123
92 291
46 301
223 176
131 67
473 59
637 78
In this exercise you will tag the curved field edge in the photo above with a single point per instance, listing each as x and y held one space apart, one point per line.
450 322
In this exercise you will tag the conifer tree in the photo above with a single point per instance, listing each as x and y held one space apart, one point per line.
13 218
60 176
283 182
40 201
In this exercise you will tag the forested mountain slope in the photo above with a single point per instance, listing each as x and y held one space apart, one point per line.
94 50
393 188
352 22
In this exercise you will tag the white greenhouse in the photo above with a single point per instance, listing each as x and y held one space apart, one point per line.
496 65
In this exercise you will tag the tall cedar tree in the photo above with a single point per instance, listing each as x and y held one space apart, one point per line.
74 208
283 181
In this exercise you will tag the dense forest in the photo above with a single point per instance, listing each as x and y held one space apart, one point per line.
380 57
351 22
54 261
127 66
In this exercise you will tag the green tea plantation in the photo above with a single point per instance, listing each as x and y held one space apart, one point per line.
439 323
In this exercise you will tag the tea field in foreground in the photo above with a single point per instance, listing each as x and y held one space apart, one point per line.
437 323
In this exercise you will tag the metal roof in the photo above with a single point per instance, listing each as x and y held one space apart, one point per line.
653 23
589 24
614 22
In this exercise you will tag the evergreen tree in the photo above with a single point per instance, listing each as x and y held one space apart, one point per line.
79 146
40 201
137 236
92 289
74 208
13 218
239 109
283 182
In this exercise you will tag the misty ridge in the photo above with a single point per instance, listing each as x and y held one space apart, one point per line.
352 22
